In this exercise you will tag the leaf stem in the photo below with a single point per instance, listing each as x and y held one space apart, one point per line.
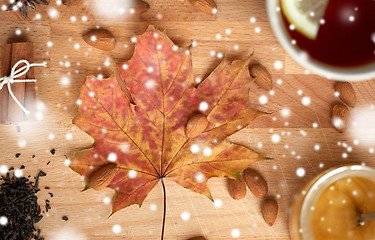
165 207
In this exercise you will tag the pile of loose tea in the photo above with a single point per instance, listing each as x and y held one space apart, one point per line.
19 210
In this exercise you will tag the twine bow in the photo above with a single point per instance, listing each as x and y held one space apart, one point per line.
16 73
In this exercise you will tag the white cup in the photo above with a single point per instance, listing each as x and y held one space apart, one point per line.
363 72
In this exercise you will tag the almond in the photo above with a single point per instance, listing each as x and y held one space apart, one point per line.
139 7
197 238
262 76
101 39
103 176
346 91
236 189
256 183
196 125
72 2
206 6
270 210
340 116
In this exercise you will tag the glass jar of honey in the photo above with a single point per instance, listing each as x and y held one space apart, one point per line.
328 207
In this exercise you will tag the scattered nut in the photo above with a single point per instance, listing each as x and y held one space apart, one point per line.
347 93
256 183
206 6
139 6
270 210
196 125
340 116
236 189
72 2
262 76
198 238
103 176
101 39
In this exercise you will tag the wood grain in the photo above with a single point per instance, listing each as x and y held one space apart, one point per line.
53 129
6 53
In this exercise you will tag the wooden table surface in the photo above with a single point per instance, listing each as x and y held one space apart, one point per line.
70 59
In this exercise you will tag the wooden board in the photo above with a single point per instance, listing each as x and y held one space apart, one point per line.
70 59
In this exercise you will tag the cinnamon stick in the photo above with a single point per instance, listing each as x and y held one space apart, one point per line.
6 55
30 91
15 113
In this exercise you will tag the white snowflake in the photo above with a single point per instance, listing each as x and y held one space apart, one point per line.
69 136
218 203
67 162
18 173
65 81
236 233
203 106
207 151
3 220
185 216
263 99
199 177
53 13
150 84
3 169
275 138
306 101
301 172
112 157
194 148
106 200
132 174
338 122
116 228
153 207
285 112
125 148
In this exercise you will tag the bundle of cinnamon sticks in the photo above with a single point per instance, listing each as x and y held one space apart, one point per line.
10 112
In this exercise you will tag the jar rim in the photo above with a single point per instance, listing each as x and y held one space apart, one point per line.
320 185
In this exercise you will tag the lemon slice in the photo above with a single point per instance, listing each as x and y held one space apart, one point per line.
305 15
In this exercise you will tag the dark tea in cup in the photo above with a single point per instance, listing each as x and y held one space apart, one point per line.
335 32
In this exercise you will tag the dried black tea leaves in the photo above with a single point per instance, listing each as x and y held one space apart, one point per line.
53 151
19 207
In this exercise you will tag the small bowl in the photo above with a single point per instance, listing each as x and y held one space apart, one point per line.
357 73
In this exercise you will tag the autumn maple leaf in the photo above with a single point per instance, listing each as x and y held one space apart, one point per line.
146 140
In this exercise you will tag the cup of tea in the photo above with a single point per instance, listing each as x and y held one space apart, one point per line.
332 38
